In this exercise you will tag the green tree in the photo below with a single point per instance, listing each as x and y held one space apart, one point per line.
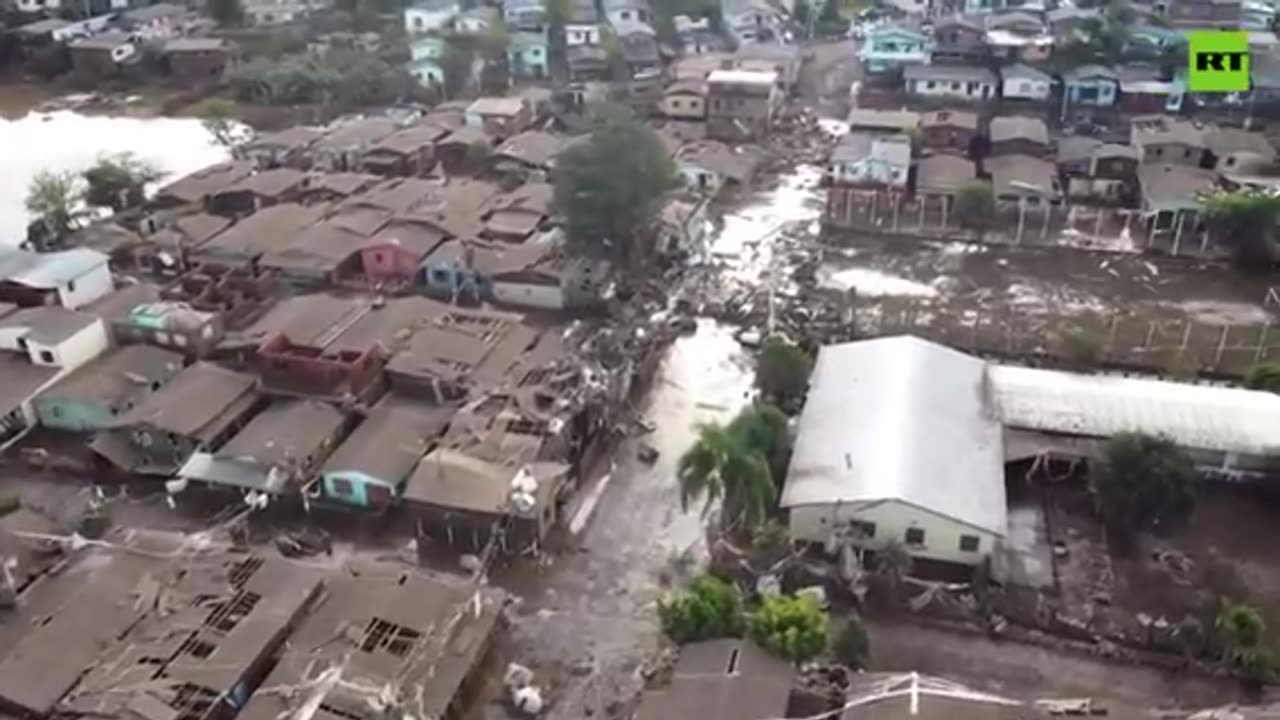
1143 483
764 428
1246 223
1264 376
794 628
1240 629
217 115
609 187
458 63
720 466
52 198
830 22
852 645
801 13
227 13
975 207
710 608
782 371
118 181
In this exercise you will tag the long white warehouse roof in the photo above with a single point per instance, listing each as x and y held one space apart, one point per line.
900 419
1193 416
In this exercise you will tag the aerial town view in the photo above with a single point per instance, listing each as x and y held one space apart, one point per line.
639 359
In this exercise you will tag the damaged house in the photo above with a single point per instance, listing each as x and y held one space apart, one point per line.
70 278
277 451
198 410
93 396
369 469
384 637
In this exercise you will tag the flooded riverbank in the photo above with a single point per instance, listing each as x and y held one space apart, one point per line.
67 141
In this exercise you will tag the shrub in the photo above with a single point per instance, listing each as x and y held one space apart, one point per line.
852 645
794 628
710 608
1144 483
782 371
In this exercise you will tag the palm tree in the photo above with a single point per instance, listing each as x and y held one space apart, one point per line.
720 466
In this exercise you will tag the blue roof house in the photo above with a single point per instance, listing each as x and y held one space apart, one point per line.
890 47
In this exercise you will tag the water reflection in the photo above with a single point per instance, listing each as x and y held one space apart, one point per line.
69 141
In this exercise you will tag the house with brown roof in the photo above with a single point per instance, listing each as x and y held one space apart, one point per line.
1171 203
1023 179
463 500
393 256
236 295
197 410
271 229
275 452
259 190
310 367
369 469
289 147
93 396
1235 150
1161 139
528 151
948 130
724 679
1093 170
709 166
194 188
685 100
500 117
1019 135
943 174
316 256
344 148
515 216
408 152
171 241
198 59
552 282
377 627
461 353
38 346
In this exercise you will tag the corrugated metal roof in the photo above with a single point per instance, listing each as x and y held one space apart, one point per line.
1194 416
53 269
902 419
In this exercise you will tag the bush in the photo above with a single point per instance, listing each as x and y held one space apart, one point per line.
1264 376
1144 483
710 608
852 645
794 628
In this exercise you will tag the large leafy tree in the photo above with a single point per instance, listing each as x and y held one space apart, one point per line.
1143 483
118 181
227 13
782 371
609 186
52 198
763 428
1246 222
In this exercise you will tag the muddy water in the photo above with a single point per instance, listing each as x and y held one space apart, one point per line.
68 141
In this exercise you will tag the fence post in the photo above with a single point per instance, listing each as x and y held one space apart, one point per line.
1222 346
1262 343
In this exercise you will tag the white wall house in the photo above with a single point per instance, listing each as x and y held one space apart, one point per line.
1023 82
921 463
74 277
53 336
529 288
430 16
575 35
950 81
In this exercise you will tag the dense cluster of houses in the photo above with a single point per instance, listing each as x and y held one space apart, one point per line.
143 624
365 315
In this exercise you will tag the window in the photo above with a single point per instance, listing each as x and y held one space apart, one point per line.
968 543
1186 153
56 411
1156 152
930 85
1024 88
341 487
418 24
46 356
955 86
71 286
863 529
915 536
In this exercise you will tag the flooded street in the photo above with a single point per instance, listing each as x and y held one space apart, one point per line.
66 141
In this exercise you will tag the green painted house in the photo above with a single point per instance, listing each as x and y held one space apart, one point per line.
368 470
95 396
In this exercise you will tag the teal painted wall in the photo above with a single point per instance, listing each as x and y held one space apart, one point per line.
70 415
360 485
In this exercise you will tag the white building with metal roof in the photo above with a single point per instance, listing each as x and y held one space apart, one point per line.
896 444
76 277
904 440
